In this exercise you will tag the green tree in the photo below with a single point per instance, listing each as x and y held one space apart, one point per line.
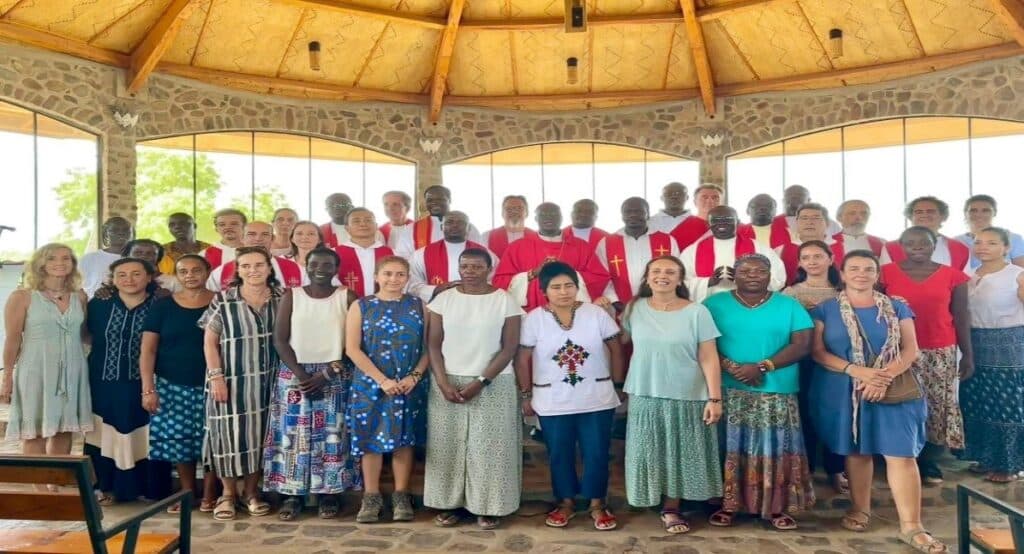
77 196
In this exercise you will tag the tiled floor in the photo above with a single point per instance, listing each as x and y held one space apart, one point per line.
639 530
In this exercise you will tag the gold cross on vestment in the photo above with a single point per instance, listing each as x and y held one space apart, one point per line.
661 250
616 261
438 280
350 279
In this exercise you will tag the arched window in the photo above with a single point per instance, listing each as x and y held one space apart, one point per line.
49 183
257 173
564 173
887 163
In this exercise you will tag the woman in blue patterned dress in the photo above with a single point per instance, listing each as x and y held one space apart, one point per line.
387 408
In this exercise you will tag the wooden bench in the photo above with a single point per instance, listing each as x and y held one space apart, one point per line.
23 503
990 541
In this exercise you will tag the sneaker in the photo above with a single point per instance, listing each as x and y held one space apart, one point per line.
401 506
369 511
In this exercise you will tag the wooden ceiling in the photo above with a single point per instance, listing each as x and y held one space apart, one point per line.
512 53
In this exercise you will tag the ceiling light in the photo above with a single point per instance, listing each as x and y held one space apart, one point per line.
835 42
572 73
314 56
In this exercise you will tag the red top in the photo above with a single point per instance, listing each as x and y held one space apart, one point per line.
929 299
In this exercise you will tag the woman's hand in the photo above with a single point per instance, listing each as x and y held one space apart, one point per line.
390 387
313 385
151 402
873 393
748 374
450 393
407 384
966 368
527 407
5 391
712 412
470 391
219 389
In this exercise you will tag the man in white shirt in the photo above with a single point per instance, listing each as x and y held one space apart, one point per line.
259 234
95 266
761 211
396 205
513 212
358 257
626 253
437 263
229 224
853 215
437 200
584 216
709 261
792 198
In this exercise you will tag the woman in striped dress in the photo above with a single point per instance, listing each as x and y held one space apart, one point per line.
241 362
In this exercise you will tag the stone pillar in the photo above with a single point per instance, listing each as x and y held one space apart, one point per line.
117 171
428 172
712 167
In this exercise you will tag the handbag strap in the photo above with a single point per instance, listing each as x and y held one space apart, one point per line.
871 358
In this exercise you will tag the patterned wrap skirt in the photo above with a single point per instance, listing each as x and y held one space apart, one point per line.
670 451
766 469
176 430
307 448
474 450
936 369
993 400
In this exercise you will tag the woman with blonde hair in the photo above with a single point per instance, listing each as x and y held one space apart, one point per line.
45 317
304 238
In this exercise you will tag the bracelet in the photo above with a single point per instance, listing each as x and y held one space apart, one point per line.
214 372
768 363
418 375
525 394
215 377
846 368
715 400
148 392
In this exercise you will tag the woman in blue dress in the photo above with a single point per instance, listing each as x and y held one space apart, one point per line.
385 339
863 340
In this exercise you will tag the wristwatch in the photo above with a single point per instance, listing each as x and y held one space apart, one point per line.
484 381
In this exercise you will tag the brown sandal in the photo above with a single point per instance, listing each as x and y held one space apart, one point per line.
722 518
782 522
224 509
855 521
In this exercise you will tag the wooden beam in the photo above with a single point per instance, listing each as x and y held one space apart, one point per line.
23 34
443 63
695 34
881 72
384 15
157 40
1012 14
288 87
530 101
554 23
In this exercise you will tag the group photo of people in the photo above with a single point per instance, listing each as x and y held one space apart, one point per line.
282 364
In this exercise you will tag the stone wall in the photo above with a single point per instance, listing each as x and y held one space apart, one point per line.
85 95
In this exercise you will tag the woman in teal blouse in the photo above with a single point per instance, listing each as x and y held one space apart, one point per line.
764 335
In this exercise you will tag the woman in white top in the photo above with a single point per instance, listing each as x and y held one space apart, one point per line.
307 440
992 400
474 444
568 365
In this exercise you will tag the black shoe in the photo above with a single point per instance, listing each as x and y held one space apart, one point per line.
930 472
537 434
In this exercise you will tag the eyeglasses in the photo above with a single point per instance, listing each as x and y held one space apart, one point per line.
815 219
755 272
725 219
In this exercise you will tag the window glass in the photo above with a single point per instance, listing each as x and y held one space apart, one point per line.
18 146
518 171
816 162
383 174
281 168
938 164
994 144
616 178
470 193
874 173
752 173
159 190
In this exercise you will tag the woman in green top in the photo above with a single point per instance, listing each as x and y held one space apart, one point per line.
764 335
675 382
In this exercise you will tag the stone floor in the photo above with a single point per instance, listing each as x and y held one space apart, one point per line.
639 530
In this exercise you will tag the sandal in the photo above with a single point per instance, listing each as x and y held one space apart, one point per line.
840 484
370 509
782 522
604 520
206 506
254 506
105 499
560 516
486 523
328 507
290 508
722 518
675 523
855 521
401 507
931 546
1001 478
224 509
174 509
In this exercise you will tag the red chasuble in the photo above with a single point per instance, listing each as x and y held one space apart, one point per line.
790 255
525 255
876 244
214 255
330 239
290 276
422 231
435 258
958 252
705 255
350 271
386 229
779 235
689 231
595 235
497 239
615 249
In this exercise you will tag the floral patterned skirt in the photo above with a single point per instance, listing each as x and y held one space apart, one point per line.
766 469
307 447
936 369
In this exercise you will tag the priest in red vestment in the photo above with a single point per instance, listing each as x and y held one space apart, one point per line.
626 253
437 264
762 227
437 201
358 257
709 261
338 205
584 217
811 222
677 221
259 234
396 206
853 215
513 212
517 270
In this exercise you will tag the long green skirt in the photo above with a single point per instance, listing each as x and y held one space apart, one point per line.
670 452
